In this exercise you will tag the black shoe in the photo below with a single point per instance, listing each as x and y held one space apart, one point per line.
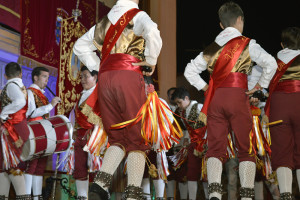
214 198
97 192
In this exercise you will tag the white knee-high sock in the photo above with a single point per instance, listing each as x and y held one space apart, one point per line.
18 183
37 186
135 168
5 184
192 187
214 173
285 179
28 182
298 177
247 171
183 190
259 190
146 188
170 189
112 158
159 186
82 188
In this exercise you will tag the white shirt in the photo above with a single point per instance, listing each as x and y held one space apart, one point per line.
33 111
143 26
85 95
16 96
253 79
257 54
286 55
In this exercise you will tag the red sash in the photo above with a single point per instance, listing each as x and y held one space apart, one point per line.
115 31
15 119
288 86
42 97
110 40
226 61
282 67
120 61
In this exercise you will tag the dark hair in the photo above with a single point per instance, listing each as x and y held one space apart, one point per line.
37 71
170 90
229 12
290 38
13 70
93 73
180 93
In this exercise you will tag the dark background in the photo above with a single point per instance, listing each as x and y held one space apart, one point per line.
198 24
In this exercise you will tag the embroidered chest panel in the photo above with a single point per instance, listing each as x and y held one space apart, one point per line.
5 100
193 116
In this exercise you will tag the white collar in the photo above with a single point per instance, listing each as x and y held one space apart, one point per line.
188 109
89 90
35 86
121 7
226 35
16 80
286 55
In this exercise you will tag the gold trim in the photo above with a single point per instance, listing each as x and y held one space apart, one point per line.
69 30
10 11
202 117
31 63
91 116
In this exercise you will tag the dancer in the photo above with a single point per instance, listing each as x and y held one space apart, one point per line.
283 104
14 132
226 105
121 91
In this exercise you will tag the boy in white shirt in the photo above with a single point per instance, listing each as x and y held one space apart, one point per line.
226 105
14 131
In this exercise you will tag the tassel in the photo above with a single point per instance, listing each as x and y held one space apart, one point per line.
94 162
97 142
157 129
11 158
68 161
152 169
179 158
162 165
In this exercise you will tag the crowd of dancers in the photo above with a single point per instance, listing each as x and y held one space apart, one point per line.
119 117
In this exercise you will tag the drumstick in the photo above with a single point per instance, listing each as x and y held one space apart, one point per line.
275 122
50 91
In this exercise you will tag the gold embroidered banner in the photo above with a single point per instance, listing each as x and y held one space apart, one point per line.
68 81
41 29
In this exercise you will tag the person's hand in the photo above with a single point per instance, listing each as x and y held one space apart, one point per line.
257 87
205 88
254 101
55 101
144 63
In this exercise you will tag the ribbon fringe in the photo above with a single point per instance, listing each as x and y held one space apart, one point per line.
157 129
